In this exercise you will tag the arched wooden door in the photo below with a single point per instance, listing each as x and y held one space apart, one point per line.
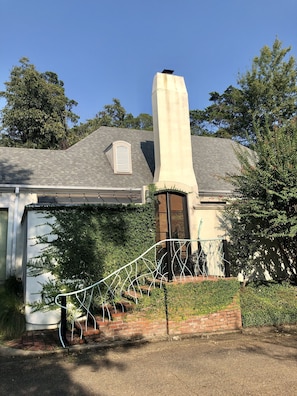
171 222
171 216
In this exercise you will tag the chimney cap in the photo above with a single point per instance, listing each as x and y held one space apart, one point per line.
168 71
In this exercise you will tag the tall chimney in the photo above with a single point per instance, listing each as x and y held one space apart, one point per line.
172 134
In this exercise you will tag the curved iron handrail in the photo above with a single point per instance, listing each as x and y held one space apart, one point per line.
169 259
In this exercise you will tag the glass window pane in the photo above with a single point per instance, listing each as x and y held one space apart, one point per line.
176 202
161 202
177 225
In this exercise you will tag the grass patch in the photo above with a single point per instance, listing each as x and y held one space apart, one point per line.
189 299
12 319
268 304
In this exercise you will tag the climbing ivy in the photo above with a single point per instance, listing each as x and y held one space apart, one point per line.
89 242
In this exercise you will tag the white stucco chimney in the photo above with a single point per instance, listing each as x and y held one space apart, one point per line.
172 134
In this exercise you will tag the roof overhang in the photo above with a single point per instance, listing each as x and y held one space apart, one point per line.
77 195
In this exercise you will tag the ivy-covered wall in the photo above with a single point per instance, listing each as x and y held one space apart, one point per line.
90 242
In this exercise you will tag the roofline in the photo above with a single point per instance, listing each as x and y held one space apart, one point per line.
35 188
82 189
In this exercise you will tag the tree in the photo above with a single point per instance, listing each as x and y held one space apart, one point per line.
36 110
266 94
263 218
112 115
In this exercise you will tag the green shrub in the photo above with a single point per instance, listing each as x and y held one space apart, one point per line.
268 304
12 319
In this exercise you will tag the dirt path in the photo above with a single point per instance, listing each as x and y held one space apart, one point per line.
253 363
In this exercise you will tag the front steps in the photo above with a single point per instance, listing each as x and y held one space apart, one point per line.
127 323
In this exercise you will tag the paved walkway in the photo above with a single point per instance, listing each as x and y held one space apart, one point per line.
41 340
253 363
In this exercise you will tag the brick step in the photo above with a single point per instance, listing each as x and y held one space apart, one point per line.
75 340
145 289
111 314
90 331
107 311
132 295
128 306
80 326
154 282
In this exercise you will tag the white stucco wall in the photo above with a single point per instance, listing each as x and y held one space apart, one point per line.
172 133
15 204
208 221
37 226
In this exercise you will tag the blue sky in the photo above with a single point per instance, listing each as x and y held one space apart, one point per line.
112 49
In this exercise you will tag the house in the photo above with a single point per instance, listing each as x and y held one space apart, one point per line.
114 165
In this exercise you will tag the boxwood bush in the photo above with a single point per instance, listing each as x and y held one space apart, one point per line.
268 304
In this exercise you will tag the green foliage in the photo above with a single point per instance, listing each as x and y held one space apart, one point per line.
12 285
112 115
268 304
263 219
12 319
36 110
189 299
266 94
87 243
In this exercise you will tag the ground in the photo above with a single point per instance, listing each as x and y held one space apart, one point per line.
254 362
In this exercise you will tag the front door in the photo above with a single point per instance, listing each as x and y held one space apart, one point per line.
171 216
171 222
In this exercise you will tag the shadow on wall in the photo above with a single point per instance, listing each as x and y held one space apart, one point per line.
273 262
259 258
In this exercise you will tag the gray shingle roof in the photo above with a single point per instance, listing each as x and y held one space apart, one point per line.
85 164
213 159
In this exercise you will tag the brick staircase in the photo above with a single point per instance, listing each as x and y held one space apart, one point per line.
115 320
110 323
123 322
107 320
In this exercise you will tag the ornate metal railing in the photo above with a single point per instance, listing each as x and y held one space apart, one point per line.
167 260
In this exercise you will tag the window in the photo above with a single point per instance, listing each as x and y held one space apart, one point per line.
119 156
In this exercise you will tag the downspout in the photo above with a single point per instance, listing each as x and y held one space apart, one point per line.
14 230
199 228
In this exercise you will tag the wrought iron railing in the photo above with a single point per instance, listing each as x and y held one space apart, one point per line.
167 260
